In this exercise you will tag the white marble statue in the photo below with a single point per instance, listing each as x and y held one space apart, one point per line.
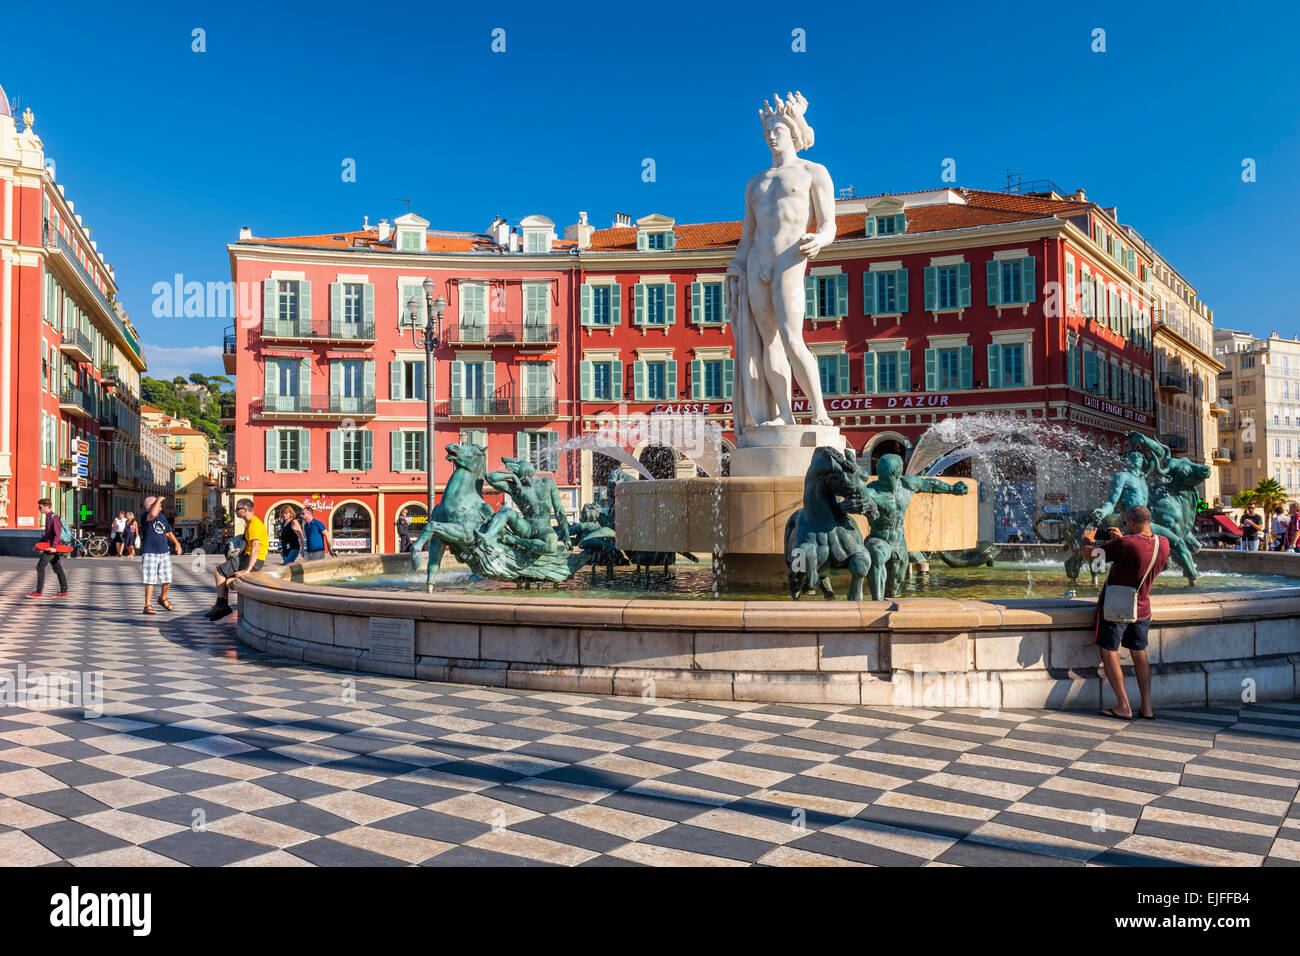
765 282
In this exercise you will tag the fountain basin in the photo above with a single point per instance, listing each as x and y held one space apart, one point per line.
744 520
1206 647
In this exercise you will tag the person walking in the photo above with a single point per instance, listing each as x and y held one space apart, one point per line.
132 534
1291 536
403 531
156 542
257 545
291 535
316 539
1252 525
52 550
1136 558
1277 529
119 532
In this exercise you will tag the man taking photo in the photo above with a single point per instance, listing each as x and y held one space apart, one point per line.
1136 558
1252 526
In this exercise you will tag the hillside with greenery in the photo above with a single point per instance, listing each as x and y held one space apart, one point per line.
203 409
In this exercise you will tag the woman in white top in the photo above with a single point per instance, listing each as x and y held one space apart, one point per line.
119 531
1277 529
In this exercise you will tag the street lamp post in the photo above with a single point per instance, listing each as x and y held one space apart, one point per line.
434 309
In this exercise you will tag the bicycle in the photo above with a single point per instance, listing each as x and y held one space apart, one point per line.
84 544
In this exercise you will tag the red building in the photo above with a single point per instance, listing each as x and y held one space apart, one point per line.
70 361
928 305
329 365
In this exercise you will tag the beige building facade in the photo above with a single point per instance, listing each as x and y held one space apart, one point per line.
1260 382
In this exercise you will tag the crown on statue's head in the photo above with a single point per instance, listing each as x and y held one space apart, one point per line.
792 110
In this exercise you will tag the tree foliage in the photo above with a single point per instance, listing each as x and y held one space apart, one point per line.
203 412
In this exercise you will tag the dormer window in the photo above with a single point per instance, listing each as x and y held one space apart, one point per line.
890 225
538 234
885 217
654 233
410 233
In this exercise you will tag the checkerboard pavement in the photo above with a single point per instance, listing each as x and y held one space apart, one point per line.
210 753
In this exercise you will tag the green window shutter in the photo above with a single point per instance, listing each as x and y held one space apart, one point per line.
670 240
584 377
638 381
304 307
368 378
638 304
931 369
868 293
697 379
728 377
1089 371
335 450
991 277
697 307
810 297
963 283
842 295
931 288
489 379
419 379
900 223
1028 283
902 290
521 445
842 374
869 228
967 366
273 449
304 449
270 312
272 378
336 380
723 299
304 377
394 380
368 305
336 309
367 450
671 375
395 450
616 304
670 297
640 241
904 370
869 373
457 379
616 379
995 366
584 296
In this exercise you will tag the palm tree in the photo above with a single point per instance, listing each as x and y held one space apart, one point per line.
1269 495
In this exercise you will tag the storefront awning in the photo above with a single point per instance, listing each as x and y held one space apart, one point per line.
1227 524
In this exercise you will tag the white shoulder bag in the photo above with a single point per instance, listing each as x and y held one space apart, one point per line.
1120 603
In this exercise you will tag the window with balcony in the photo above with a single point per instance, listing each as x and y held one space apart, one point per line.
538 379
473 311
288 382
352 385
287 302
472 386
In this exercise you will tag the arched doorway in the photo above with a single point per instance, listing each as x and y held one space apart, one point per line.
352 527
418 517
887 443
659 460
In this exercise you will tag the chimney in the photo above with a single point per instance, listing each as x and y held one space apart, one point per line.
1079 195
514 240
245 233
622 219
581 231
385 231
365 223
500 231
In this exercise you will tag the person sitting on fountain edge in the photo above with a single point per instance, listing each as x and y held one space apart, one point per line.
1131 555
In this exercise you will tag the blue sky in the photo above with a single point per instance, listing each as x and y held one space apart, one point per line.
167 152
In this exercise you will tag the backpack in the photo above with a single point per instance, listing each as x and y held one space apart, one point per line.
65 533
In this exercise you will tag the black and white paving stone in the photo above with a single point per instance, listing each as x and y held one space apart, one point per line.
209 753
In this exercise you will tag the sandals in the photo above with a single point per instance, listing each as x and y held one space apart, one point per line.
166 603
1111 713
148 609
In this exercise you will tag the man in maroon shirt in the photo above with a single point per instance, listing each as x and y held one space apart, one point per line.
1130 556
52 549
